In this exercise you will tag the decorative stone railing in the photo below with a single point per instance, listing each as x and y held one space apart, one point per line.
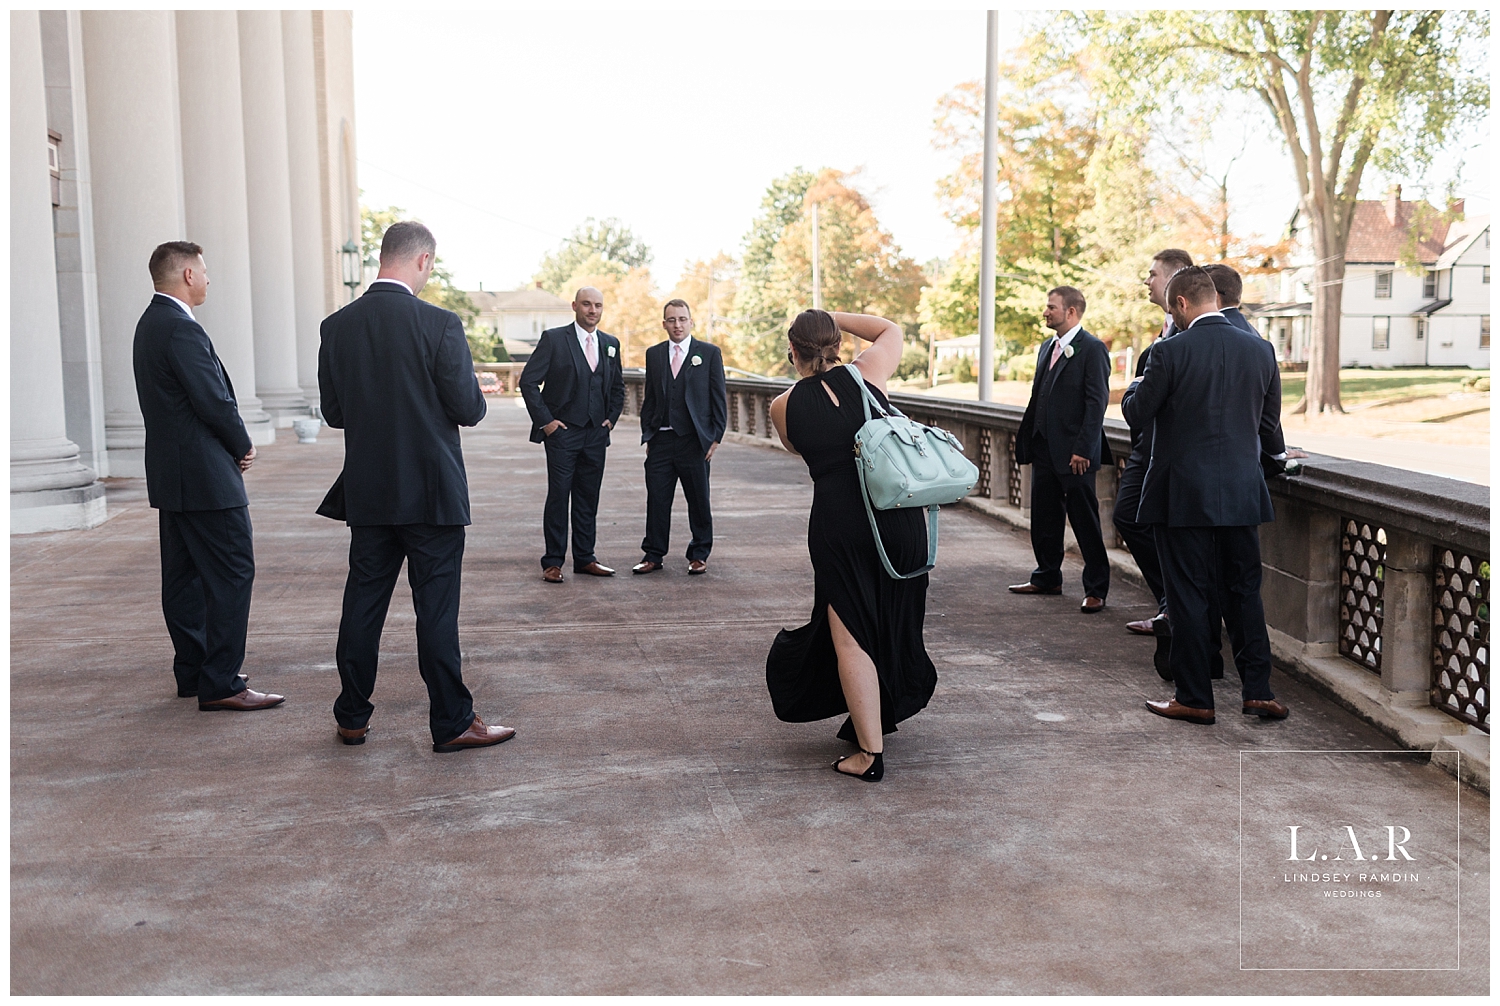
1376 579
509 374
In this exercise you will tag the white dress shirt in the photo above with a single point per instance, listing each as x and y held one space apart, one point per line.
1068 335
1206 314
185 309
396 282
584 337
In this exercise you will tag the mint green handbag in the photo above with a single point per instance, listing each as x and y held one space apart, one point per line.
903 465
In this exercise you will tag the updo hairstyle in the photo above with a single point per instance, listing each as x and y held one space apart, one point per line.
817 339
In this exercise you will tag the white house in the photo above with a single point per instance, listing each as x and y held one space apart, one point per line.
520 316
1393 317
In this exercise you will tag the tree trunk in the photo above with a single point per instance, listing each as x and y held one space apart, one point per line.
1322 394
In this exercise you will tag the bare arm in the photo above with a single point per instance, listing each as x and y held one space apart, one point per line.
778 418
879 360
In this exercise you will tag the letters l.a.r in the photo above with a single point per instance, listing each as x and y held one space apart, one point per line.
1393 846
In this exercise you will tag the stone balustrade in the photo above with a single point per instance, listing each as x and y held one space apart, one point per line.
510 375
1376 579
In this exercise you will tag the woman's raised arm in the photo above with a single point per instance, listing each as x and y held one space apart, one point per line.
879 360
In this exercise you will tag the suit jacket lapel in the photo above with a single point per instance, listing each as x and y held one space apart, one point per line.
580 361
1062 361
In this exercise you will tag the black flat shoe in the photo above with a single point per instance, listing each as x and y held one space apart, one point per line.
874 773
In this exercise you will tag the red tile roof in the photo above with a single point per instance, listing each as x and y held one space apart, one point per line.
1374 239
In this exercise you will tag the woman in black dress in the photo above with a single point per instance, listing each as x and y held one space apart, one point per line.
862 653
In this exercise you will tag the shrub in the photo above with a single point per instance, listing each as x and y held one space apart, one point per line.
1022 367
913 363
963 370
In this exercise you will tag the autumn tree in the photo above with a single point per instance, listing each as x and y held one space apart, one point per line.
710 288
1345 89
595 247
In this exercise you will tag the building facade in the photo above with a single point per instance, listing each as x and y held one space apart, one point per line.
520 316
1394 315
234 129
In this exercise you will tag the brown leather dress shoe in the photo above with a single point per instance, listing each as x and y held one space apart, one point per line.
1266 709
645 566
355 736
594 569
477 736
244 701
1146 626
552 574
1092 605
1031 588
1174 710
696 567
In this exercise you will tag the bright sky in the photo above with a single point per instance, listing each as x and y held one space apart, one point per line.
503 130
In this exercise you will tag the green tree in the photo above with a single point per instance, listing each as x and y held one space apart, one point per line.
596 247
439 290
1345 89
760 321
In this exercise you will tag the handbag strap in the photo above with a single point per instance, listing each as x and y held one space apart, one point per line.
868 396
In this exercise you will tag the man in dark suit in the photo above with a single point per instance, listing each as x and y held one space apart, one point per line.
1137 536
1062 438
1213 393
395 375
684 413
574 388
197 451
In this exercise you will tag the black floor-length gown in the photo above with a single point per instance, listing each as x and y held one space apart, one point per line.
883 614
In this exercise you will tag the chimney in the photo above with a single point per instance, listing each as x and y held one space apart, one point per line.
1456 208
1392 203
481 286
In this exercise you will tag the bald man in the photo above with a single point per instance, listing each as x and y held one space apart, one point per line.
575 390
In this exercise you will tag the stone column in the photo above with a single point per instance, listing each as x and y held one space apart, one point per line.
306 191
50 489
268 186
130 58
213 175
73 230
1406 626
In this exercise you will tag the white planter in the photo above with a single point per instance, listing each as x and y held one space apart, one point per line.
307 430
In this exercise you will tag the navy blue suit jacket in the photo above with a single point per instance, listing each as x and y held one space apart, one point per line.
1067 405
194 433
1214 394
705 395
555 380
396 376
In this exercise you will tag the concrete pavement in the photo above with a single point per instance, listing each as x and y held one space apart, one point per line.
653 827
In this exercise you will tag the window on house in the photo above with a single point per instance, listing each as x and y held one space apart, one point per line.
1484 331
1382 333
1429 284
1421 329
1486 276
1383 285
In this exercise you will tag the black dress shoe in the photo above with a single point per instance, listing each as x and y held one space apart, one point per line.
874 773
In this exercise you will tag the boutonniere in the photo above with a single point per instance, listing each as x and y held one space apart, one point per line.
1067 351
612 351
697 360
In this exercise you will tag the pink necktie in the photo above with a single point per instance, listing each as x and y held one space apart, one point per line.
1056 353
589 353
676 358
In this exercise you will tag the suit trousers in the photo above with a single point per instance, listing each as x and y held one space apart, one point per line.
671 458
1207 568
1056 499
207 571
575 469
434 554
1138 537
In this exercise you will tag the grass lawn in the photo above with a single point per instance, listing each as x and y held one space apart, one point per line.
1364 386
